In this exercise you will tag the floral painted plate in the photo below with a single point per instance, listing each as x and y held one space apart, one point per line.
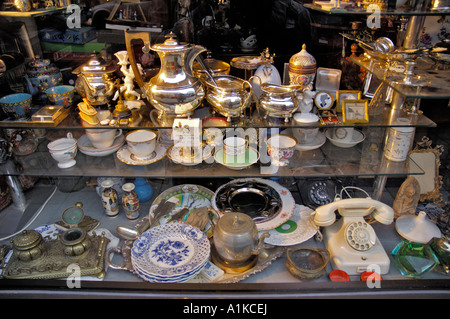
171 252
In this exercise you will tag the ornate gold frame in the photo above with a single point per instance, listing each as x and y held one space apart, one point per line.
365 116
423 154
342 95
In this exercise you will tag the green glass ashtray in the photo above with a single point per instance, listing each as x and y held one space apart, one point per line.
414 259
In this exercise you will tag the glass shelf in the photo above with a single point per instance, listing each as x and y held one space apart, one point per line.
438 80
364 12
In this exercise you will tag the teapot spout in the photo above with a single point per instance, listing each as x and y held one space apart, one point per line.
260 247
190 56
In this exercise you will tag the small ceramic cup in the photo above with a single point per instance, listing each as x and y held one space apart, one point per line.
64 150
281 148
343 134
102 138
234 150
61 95
141 143
309 129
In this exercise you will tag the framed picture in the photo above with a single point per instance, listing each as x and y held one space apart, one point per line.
355 111
342 95
324 100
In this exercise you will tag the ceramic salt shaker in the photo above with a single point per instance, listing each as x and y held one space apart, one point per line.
130 201
110 199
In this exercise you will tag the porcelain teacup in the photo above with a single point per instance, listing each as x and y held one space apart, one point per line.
234 150
141 143
343 134
64 150
281 148
309 127
102 138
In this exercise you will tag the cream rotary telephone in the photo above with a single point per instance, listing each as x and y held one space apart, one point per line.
351 241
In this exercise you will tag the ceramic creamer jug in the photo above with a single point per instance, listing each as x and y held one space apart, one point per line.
174 91
236 238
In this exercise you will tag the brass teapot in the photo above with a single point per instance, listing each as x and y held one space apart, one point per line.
174 91
96 80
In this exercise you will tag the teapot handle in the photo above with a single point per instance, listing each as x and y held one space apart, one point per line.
129 37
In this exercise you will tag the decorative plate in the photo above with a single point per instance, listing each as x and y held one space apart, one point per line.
295 231
282 215
171 252
85 146
124 155
186 198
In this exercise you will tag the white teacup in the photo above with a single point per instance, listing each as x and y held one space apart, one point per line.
64 150
343 134
103 138
234 150
309 129
281 148
141 143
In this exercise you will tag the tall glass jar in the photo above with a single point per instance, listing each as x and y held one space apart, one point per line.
130 201
110 199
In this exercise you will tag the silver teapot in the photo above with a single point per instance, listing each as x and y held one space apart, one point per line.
236 238
174 91
96 80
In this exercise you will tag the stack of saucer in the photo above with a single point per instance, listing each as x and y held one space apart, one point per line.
173 252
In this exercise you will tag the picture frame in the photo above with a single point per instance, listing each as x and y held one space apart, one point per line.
343 95
355 111
324 100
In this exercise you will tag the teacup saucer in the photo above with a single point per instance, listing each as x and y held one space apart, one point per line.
124 155
313 144
173 153
85 146
251 157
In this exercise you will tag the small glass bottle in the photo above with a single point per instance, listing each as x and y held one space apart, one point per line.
110 198
130 201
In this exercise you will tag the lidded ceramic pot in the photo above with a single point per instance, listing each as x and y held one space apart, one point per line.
28 246
40 75
302 69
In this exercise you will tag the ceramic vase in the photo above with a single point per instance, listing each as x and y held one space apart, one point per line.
143 189
110 199
302 69
130 201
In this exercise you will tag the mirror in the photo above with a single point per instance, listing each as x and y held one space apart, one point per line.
428 159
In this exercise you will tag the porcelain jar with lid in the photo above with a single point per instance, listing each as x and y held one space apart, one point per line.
302 69
41 74
96 80
29 245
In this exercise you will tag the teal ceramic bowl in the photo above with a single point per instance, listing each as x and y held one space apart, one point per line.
61 95
17 105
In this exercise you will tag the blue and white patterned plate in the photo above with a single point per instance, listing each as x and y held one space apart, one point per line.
171 252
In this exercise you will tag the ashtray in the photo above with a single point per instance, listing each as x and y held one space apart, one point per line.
306 262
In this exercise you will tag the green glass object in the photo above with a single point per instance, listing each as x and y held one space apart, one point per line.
414 259
441 246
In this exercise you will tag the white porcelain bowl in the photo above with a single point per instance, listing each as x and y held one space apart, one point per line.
358 137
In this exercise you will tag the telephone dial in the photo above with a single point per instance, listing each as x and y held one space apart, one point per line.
351 241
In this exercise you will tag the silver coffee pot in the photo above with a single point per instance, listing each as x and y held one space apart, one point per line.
174 91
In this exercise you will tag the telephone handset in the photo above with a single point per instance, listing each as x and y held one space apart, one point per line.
351 241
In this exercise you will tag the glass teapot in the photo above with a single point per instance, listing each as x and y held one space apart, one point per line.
174 91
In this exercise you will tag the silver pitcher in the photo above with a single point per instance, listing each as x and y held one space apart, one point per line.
174 91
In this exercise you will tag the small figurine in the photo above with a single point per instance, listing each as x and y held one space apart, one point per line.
407 197
128 87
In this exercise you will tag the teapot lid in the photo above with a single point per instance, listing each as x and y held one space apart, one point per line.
171 44
96 65
236 223
39 63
